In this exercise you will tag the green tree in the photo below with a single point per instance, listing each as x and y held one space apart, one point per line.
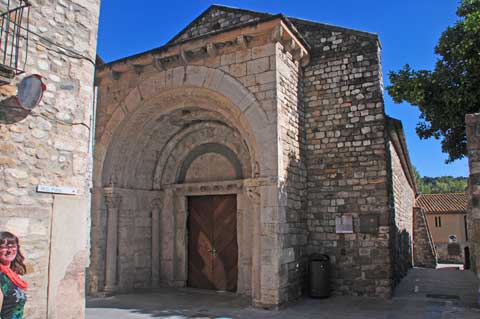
440 184
445 95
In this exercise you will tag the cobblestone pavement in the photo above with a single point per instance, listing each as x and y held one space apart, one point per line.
424 293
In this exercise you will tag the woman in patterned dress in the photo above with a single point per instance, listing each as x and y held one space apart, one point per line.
12 287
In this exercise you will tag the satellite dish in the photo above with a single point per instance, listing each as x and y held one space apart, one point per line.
30 91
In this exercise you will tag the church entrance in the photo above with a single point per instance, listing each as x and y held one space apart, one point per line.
182 176
212 242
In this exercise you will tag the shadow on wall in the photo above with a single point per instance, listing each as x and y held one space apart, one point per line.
403 254
296 236
11 112
293 138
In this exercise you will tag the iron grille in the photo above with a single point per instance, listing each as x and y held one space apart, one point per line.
14 23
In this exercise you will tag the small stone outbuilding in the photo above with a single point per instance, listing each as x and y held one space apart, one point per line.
249 141
446 215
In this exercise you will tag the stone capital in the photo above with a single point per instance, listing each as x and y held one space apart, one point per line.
253 193
156 203
112 199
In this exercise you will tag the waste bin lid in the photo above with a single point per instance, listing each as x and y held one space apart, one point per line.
319 257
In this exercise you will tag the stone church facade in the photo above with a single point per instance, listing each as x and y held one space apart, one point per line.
244 145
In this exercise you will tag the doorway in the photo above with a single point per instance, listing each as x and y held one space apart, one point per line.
467 258
212 242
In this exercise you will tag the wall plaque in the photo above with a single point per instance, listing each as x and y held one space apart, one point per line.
344 224
369 223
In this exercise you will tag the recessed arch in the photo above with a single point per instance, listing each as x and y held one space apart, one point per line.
209 148
180 145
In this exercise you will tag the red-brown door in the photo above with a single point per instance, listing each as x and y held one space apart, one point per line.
212 242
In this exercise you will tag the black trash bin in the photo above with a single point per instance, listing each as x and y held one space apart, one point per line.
319 276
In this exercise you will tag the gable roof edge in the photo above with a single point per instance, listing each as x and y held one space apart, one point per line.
216 6
174 44
371 35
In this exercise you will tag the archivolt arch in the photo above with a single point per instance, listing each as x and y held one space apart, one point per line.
177 151
136 124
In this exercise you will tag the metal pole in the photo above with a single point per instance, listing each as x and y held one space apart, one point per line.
6 33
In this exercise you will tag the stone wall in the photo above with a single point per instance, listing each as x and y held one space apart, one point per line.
51 145
424 253
347 156
472 122
291 119
403 192
451 253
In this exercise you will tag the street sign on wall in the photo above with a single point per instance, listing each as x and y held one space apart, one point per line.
56 189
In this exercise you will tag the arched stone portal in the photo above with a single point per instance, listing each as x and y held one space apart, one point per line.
153 140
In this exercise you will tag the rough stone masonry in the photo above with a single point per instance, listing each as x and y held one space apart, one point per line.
287 115
472 123
51 145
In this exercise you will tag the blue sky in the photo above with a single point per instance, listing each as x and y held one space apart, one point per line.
408 31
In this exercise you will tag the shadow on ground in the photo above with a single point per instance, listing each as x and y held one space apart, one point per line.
424 293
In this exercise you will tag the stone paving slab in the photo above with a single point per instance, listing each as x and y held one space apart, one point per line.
457 287
411 300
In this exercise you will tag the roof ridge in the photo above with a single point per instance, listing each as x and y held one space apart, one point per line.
232 8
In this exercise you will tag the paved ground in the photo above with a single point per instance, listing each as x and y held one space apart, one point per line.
424 293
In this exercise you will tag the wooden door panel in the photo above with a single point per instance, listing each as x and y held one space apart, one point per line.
225 268
225 242
200 244
212 248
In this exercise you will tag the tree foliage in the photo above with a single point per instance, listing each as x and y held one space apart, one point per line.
440 184
445 95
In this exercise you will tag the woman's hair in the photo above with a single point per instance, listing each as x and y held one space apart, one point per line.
17 264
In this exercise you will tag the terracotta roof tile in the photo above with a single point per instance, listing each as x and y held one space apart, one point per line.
443 203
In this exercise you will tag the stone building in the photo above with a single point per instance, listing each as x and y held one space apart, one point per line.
472 122
46 151
249 141
446 215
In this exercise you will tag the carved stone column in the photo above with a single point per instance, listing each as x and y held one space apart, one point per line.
113 202
253 193
167 240
156 211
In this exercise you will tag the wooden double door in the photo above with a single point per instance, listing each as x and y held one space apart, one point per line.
212 242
